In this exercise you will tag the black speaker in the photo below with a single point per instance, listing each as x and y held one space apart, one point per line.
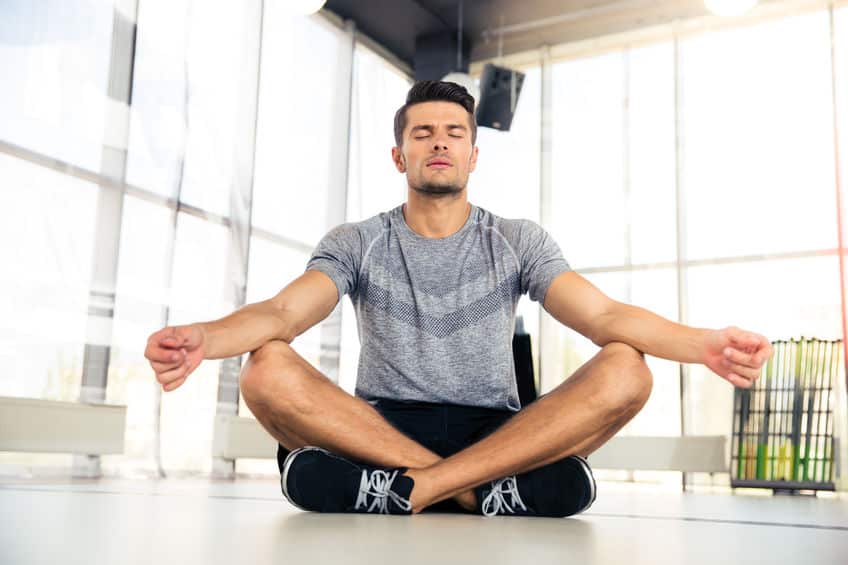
499 90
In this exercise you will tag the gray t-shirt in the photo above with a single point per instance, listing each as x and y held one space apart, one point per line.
436 316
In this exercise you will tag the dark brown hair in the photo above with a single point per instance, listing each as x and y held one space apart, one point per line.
434 90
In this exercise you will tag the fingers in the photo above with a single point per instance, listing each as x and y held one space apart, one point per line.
738 381
754 360
173 360
175 377
175 384
741 371
749 341
163 345
165 354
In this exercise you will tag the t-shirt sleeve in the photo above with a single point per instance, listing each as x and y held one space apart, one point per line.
541 260
338 256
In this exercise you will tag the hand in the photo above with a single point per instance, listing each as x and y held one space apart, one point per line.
174 352
736 355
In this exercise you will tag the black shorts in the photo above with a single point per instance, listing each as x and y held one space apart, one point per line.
444 429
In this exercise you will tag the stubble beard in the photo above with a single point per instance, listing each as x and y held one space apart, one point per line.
438 189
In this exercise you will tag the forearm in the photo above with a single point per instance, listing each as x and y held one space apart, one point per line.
246 329
651 334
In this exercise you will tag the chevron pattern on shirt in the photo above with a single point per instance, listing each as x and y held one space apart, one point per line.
506 292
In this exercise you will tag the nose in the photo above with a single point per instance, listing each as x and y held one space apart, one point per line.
440 146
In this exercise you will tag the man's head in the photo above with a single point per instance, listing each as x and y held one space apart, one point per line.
435 133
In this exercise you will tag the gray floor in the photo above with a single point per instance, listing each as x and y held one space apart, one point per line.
247 521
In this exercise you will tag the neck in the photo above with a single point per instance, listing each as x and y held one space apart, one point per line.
436 217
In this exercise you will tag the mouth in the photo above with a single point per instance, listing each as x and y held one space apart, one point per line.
439 164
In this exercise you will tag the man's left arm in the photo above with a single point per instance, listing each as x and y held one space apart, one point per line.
735 355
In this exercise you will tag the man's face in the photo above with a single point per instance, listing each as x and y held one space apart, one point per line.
437 155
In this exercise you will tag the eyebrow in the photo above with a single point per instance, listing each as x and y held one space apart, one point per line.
430 128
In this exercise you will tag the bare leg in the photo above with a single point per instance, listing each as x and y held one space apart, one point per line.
577 417
299 406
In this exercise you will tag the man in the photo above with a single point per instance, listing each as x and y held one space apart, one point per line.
436 422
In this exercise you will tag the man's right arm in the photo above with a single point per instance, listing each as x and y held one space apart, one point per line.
303 303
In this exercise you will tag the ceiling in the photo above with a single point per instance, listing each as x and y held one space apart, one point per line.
527 24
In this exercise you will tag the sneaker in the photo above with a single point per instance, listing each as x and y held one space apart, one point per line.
315 479
563 488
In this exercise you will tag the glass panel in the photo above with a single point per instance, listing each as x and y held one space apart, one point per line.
142 289
613 170
50 217
189 93
506 180
199 282
160 97
588 163
54 60
48 235
651 202
759 164
374 185
218 38
295 126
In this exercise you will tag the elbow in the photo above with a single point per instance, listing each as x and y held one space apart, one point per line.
600 331
596 332
285 330
599 340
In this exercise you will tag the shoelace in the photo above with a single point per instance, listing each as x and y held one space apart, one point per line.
495 501
379 485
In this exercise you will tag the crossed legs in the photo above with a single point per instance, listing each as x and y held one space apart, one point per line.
299 406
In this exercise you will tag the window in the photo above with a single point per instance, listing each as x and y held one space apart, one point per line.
54 60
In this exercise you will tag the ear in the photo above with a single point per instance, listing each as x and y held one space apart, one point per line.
399 159
472 162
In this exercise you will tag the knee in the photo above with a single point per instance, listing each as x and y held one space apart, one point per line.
628 379
264 369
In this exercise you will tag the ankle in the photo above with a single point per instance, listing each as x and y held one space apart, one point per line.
468 500
421 495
